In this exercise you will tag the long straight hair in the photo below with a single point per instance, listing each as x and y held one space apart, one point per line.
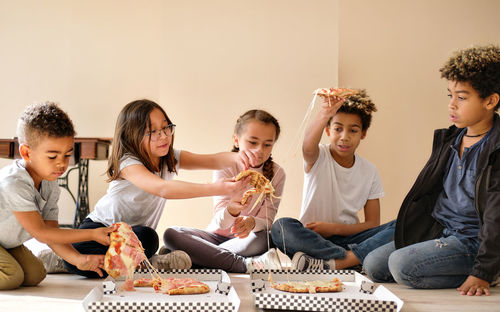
130 130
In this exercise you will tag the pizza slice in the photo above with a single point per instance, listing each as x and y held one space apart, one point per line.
311 287
338 92
174 286
183 286
261 185
124 254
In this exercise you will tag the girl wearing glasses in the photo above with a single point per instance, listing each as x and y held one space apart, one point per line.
238 235
141 171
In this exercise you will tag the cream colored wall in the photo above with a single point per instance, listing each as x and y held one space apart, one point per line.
394 49
205 62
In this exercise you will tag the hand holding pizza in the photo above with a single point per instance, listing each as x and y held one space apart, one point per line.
91 263
228 186
474 286
247 158
101 235
330 108
234 205
243 226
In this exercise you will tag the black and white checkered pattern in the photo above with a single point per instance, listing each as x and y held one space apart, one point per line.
108 287
200 274
183 271
367 287
223 288
258 285
120 306
317 303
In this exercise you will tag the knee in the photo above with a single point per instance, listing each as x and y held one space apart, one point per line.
376 268
35 277
149 240
11 276
171 237
376 264
283 225
399 264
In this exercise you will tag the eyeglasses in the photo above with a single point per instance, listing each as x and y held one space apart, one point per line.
155 135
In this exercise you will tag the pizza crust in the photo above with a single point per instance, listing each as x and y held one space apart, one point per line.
311 287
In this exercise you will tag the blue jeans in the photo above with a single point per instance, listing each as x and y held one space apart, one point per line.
299 238
441 263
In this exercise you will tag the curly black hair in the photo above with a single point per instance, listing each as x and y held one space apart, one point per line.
43 119
358 104
478 65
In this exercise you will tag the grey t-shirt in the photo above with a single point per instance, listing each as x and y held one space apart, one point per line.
18 193
125 202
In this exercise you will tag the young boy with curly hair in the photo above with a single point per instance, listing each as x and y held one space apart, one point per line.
28 199
338 183
448 228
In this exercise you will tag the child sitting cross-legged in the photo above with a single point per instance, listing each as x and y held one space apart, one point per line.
337 184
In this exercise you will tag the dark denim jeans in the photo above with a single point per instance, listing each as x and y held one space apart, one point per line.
299 238
440 263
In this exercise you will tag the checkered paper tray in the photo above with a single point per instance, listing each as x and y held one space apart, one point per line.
359 293
222 296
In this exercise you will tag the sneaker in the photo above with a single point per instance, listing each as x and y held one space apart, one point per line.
52 262
163 250
175 260
303 262
267 261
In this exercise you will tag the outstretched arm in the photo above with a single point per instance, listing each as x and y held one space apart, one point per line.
68 252
314 131
372 219
141 177
49 232
217 161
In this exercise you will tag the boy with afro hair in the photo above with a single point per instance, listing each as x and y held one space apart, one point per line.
338 183
448 228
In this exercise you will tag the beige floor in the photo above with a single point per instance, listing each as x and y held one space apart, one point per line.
64 292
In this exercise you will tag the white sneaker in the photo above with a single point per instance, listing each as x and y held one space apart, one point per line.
52 262
267 261
303 262
176 259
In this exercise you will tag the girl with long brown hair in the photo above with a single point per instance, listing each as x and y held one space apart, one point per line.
141 171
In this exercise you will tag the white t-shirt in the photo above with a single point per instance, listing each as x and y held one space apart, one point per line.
18 193
333 193
125 202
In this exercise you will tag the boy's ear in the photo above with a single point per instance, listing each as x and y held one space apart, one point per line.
363 134
25 151
327 130
493 100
